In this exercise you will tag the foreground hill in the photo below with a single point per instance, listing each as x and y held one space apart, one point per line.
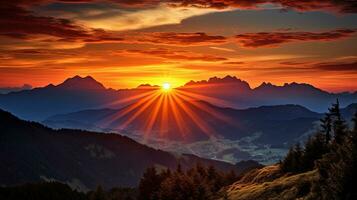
31 152
268 183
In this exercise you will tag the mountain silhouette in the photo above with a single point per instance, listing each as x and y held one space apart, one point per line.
80 93
277 125
32 152
237 93
73 94
79 83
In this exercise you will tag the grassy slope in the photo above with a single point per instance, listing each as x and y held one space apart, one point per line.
267 183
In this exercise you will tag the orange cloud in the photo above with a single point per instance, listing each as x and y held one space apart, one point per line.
342 6
338 66
181 39
19 23
175 55
273 39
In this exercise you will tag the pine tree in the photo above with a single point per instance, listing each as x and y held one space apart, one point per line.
326 127
149 184
315 148
98 194
352 175
338 125
293 160
337 169
298 158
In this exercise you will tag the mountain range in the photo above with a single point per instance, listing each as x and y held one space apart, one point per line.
213 132
32 152
81 93
277 125
237 93
73 94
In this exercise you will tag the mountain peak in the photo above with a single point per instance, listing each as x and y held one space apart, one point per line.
78 82
225 80
293 86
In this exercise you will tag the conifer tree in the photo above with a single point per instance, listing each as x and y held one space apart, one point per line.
98 194
149 184
326 127
292 162
315 148
338 125
337 169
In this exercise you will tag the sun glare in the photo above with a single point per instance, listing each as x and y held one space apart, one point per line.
166 87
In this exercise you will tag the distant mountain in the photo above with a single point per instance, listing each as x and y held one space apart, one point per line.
80 93
79 83
74 94
5 90
31 152
276 125
238 94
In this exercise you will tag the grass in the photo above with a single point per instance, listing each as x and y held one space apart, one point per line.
268 183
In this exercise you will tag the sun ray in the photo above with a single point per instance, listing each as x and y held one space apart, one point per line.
122 112
164 115
204 107
197 120
178 117
137 113
213 100
153 117
131 98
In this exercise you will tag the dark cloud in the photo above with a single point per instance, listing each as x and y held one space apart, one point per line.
335 66
175 55
17 22
342 6
267 39
180 39
292 63
234 63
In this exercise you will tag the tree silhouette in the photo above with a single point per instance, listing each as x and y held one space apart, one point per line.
326 125
338 124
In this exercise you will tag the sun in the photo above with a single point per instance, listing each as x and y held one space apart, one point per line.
166 87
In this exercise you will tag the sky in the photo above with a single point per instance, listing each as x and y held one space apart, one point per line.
125 43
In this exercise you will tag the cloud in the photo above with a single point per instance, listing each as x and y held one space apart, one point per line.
338 66
223 49
174 55
133 19
18 23
234 63
292 63
180 39
342 6
271 39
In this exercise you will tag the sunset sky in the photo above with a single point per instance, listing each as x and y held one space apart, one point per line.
124 43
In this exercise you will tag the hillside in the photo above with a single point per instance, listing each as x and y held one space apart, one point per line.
267 183
277 125
31 152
